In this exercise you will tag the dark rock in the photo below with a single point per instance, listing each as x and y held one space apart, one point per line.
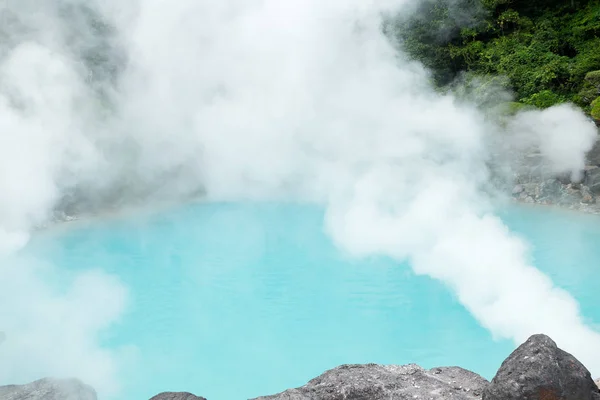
176 396
536 370
49 389
539 370
592 179
375 382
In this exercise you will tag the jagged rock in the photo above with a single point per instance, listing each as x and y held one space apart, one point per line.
592 179
586 195
176 396
550 189
539 370
379 382
518 189
593 156
49 389
536 370
530 189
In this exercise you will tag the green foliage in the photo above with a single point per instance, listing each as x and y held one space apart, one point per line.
595 109
508 17
593 78
544 99
511 108
486 91
586 95
590 88
545 48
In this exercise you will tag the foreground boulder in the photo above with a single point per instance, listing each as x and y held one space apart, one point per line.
536 370
49 389
539 370
379 382
176 396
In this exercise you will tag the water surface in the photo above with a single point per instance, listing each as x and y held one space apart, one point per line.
231 301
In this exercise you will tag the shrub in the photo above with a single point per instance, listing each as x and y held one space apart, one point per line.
547 49
544 99
595 111
593 78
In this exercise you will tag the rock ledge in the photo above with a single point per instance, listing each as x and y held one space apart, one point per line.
374 382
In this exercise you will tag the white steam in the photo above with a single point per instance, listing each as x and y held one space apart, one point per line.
561 134
50 331
302 99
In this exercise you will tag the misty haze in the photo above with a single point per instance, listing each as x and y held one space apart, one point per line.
231 197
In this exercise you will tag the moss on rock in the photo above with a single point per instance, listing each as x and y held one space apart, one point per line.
595 111
593 78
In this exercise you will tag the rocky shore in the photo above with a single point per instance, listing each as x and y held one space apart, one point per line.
536 370
534 183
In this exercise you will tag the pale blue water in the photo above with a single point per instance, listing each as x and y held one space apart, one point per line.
232 301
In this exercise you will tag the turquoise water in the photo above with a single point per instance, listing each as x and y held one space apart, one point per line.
232 301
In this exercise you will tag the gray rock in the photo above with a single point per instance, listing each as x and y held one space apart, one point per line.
536 370
572 199
379 382
539 370
530 189
587 196
518 189
592 179
593 156
49 389
550 189
567 178
176 396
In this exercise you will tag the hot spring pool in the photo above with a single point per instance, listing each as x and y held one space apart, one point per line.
232 301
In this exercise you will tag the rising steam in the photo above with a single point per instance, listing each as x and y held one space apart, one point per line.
110 102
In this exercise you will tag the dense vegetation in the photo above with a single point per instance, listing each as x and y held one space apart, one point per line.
548 51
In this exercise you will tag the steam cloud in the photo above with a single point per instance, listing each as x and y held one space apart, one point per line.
111 102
